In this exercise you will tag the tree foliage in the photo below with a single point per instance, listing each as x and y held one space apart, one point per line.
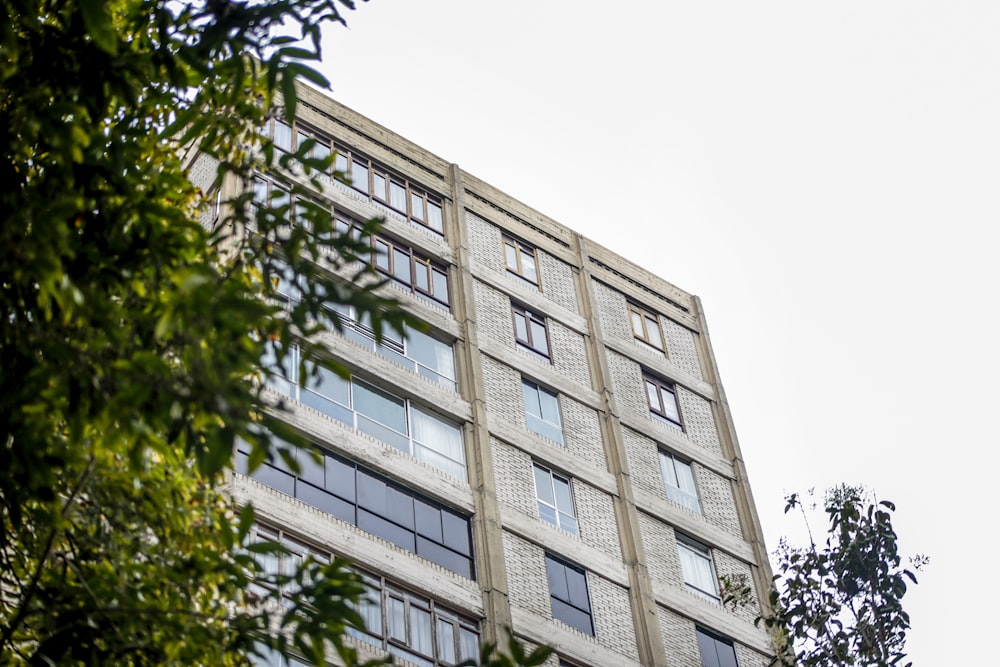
133 316
840 603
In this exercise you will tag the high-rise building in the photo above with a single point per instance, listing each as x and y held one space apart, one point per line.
555 454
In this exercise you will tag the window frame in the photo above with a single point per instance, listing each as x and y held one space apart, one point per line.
704 552
520 249
675 492
660 412
647 319
564 519
528 342
715 658
555 566
344 489
538 423
344 409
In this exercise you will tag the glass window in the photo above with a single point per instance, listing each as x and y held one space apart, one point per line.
715 651
646 327
568 594
541 411
555 499
662 399
679 482
520 259
697 568
530 331
282 135
380 507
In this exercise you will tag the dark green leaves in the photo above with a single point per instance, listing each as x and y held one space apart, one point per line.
99 25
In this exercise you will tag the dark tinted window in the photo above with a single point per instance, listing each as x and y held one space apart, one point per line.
715 651
394 513
568 590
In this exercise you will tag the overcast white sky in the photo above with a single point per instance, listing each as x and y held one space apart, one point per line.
823 175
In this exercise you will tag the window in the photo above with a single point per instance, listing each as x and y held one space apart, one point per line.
407 625
568 592
715 651
274 200
520 259
393 420
541 411
645 327
530 331
411 270
390 189
663 401
413 627
679 482
555 499
351 493
697 568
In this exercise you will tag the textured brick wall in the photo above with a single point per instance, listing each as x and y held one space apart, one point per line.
528 584
504 397
595 511
569 356
699 423
682 348
626 381
612 616
726 565
717 503
680 640
493 314
515 481
485 245
612 310
642 454
582 432
557 280
660 545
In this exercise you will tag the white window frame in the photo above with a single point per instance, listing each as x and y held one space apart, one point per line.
561 516
677 475
546 425
704 582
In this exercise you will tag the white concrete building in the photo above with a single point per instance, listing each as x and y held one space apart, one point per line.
556 455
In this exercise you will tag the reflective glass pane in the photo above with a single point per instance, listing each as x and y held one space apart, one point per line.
282 135
510 254
378 186
637 325
434 216
397 619
528 266
653 329
446 641
397 196
420 631
401 266
416 206
543 485
440 286
380 406
538 340
421 272
359 175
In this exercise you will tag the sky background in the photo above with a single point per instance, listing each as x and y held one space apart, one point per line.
823 175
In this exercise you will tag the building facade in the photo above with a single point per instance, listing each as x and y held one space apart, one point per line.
554 455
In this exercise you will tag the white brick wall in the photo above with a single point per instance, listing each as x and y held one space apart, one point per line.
682 348
504 396
680 640
612 310
626 381
557 280
493 314
660 546
569 356
485 245
717 503
699 422
515 481
726 565
595 511
528 583
612 615
582 432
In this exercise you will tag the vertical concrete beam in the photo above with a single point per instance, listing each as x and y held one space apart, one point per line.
649 639
486 525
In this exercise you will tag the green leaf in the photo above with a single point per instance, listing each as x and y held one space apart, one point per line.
98 22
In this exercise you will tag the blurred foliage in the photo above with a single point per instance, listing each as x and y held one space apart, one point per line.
133 315
840 603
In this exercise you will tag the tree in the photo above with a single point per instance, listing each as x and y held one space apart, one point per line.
133 316
840 603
